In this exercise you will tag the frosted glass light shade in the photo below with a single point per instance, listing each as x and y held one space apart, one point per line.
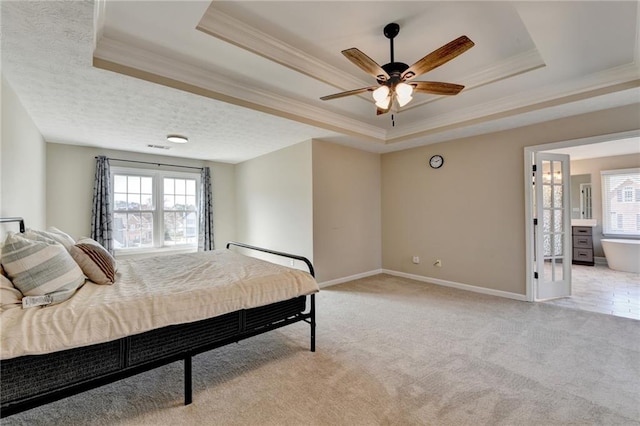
403 101
404 92
381 93
384 103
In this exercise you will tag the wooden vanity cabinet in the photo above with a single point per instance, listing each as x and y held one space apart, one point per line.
582 245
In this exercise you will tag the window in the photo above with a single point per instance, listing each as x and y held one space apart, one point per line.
628 194
620 202
154 209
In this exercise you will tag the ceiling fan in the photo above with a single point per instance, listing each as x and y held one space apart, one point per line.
395 78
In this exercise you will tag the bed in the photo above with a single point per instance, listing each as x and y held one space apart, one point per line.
117 331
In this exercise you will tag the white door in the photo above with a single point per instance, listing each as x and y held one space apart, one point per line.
552 223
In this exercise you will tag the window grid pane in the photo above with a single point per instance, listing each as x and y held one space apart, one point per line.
620 202
134 206
180 219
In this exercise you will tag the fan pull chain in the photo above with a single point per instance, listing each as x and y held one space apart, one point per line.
393 121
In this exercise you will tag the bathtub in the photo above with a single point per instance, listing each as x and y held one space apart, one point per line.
622 255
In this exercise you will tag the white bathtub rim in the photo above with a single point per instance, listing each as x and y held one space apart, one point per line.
620 241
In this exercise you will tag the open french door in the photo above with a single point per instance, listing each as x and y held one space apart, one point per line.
552 226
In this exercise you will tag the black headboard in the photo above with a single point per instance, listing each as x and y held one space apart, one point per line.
14 219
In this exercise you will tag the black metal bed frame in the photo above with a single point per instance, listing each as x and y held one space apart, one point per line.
33 380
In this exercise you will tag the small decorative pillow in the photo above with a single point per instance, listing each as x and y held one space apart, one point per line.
10 297
39 268
95 261
53 234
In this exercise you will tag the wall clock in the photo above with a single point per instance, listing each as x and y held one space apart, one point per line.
436 161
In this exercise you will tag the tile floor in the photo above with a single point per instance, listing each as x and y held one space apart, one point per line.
600 289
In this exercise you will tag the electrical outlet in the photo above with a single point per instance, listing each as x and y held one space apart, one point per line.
416 259
438 263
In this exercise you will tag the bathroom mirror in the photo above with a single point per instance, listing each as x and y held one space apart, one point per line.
581 197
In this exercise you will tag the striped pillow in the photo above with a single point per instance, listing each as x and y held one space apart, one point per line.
95 261
52 234
39 268
10 297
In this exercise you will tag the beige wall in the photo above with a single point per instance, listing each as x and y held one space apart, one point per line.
593 167
274 201
346 211
470 213
70 175
22 161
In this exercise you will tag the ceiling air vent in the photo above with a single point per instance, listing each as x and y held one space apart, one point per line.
158 146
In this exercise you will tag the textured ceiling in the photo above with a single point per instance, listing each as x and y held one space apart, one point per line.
243 78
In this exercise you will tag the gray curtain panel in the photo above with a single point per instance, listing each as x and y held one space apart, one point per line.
205 230
102 212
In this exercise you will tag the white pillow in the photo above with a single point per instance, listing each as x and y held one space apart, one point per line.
52 234
39 268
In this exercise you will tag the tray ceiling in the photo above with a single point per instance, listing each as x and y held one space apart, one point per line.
244 78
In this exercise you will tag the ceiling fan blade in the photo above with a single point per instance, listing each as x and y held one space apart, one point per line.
438 57
380 111
365 63
436 87
349 93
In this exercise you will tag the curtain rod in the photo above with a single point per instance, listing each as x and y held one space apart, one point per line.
155 164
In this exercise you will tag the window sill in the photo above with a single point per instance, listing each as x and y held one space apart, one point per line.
163 251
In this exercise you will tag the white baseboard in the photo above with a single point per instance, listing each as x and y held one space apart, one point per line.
349 278
459 286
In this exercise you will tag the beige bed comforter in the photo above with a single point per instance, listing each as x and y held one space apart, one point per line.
148 294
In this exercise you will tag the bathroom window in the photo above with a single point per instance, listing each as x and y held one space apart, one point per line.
621 202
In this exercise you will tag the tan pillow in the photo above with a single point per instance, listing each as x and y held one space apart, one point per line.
95 261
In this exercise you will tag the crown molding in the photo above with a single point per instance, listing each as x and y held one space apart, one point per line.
612 80
510 67
234 31
124 58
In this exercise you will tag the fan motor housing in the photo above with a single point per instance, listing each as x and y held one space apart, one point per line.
395 70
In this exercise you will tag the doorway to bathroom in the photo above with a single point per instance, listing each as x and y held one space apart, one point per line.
594 288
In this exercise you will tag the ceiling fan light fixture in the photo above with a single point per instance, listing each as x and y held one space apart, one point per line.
404 93
177 139
384 103
404 90
381 93
402 101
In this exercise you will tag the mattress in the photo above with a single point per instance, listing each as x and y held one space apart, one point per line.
151 293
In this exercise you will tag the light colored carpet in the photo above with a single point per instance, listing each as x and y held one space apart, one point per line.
392 351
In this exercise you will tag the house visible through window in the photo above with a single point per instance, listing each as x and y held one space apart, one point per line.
628 194
620 202
154 209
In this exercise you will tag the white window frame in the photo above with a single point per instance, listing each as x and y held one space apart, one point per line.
611 218
158 208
